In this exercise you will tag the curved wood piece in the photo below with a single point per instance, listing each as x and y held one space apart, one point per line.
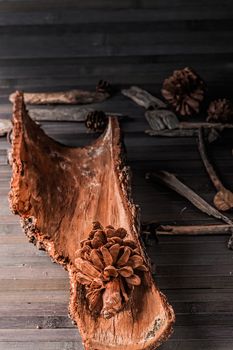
59 192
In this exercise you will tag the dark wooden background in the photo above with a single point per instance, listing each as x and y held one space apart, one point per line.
53 45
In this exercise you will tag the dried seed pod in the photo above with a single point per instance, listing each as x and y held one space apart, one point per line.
115 240
135 261
94 298
97 226
96 243
121 232
220 111
184 90
114 251
223 200
96 121
107 257
126 271
111 270
100 234
133 280
142 268
110 232
123 291
96 260
83 279
86 267
112 300
124 257
129 243
97 283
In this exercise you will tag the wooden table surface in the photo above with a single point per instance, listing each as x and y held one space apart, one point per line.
55 44
196 273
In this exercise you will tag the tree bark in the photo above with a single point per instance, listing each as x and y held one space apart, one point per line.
59 192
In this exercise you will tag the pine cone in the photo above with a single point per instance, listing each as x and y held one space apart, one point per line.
220 111
108 266
104 86
96 121
184 90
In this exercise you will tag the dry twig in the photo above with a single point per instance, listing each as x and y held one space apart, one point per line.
172 182
223 200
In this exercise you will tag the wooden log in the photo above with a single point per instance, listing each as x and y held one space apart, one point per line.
192 230
62 195
64 113
63 97
172 182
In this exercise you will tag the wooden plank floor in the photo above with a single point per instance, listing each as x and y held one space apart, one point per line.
196 273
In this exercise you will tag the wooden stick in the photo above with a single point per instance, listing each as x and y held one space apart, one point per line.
209 168
143 98
172 133
172 182
63 97
211 134
223 199
167 230
5 126
205 125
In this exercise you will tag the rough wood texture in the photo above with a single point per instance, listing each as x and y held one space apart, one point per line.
52 211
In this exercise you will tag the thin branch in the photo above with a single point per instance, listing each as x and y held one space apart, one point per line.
205 125
209 168
172 182
168 230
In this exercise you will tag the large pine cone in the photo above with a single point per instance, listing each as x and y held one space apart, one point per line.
109 266
220 111
184 90
96 121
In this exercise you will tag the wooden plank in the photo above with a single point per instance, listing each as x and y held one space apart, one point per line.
100 44
194 344
35 296
34 321
32 335
90 16
42 345
194 282
39 284
29 309
196 295
33 273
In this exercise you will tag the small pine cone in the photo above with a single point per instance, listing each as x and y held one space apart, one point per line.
104 86
184 90
96 121
220 111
